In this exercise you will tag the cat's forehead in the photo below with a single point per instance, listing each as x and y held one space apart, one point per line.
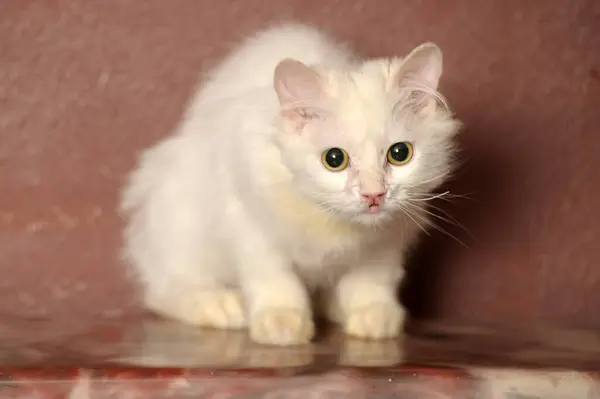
362 104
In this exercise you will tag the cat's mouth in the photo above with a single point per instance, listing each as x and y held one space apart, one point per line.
374 208
372 214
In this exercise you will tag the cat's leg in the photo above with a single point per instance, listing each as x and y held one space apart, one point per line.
364 301
170 239
215 307
192 284
279 308
195 286
185 274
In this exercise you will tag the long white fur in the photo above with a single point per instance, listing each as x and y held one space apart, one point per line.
233 221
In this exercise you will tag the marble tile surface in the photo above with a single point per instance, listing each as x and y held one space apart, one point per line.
155 358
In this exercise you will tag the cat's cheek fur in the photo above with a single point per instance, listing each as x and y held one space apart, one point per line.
332 189
333 183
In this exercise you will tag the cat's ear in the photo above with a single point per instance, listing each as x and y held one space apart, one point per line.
299 89
419 73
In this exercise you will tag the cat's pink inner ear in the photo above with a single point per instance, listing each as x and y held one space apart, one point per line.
296 84
422 66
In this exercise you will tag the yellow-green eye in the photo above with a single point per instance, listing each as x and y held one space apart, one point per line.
400 153
335 159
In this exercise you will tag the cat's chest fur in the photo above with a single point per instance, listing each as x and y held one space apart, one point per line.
313 238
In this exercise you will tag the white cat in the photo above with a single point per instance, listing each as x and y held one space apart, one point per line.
298 172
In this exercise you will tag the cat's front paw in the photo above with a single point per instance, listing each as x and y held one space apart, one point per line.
282 327
375 321
222 308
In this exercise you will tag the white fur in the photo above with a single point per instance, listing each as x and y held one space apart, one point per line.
236 206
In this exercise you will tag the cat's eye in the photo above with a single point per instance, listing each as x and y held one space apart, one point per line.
335 159
400 153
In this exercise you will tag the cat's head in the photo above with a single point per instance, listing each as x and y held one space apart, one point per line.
369 141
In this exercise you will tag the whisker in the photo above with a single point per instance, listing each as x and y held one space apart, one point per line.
405 211
430 180
445 196
447 214
448 218
435 226
462 196
431 196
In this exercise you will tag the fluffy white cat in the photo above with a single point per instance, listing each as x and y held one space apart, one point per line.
298 176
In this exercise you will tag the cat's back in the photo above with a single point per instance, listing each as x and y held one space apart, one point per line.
252 64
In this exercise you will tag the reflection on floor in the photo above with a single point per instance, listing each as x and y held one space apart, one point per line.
166 359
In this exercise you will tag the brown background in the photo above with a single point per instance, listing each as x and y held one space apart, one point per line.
84 85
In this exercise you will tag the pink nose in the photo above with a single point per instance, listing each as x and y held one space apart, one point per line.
372 197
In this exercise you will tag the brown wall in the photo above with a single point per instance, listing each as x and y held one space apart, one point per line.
84 85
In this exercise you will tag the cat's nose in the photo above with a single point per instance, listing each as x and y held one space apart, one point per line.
373 198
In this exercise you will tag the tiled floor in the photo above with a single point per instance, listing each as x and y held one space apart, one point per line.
160 359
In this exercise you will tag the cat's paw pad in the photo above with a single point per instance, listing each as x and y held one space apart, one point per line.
282 327
375 321
221 309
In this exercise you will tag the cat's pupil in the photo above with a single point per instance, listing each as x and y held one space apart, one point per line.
335 157
399 152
